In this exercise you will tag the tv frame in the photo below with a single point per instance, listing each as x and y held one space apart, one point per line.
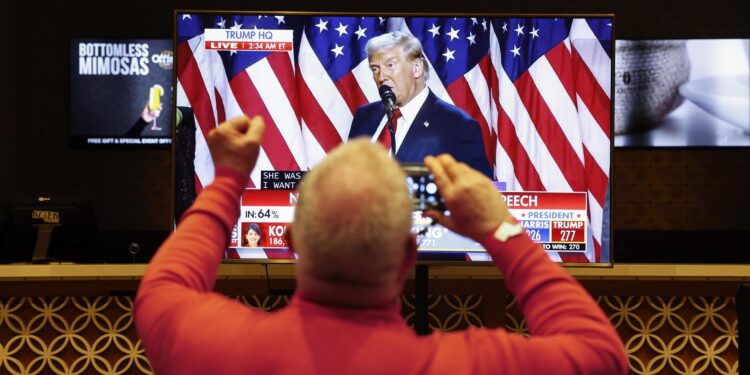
452 262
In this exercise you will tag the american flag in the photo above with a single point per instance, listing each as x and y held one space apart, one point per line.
539 88
334 78
550 84
219 85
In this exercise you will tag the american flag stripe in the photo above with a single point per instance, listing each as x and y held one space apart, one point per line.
593 138
206 64
523 165
571 123
596 179
248 97
594 131
203 163
202 101
580 86
550 133
592 53
517 170
505 166
478 84
559 59
596 162
363 75
597 253
313 145
181 99
263 164
582 83
598 98
221 115
591 93
553 76
324 90
211 62
542 161
270 81
324 132
282 66
350 91
198 184
436 86
490 109
195 88
211 65
524 170
560 106
555 257
595 212
461 93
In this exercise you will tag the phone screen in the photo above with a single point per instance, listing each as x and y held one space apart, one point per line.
422 188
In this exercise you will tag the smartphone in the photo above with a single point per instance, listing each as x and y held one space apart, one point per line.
422 188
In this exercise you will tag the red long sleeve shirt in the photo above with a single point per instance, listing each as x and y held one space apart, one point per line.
188 329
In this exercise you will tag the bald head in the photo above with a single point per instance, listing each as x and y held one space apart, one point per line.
353 217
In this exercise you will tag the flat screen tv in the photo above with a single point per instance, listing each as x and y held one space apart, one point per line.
682 93
538 89
121 93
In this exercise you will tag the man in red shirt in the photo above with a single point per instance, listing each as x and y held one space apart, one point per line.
352 233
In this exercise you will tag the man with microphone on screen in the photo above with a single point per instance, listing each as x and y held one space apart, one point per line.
352 232
420 122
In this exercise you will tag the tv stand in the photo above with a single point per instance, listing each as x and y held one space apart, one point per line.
421 301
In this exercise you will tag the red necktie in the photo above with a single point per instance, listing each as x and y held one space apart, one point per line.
385 135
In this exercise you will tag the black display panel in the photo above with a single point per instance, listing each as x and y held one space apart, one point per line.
121 92
682 93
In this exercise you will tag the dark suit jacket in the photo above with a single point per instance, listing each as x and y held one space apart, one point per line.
449 130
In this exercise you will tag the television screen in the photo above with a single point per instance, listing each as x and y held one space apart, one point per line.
682 93
530 94
121 92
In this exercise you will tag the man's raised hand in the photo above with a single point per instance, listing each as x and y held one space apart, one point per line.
236 143
476 207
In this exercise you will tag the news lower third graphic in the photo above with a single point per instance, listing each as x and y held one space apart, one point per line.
272 211
248 40
555 220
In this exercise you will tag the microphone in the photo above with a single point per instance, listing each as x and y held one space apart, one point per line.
389 100
388 97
